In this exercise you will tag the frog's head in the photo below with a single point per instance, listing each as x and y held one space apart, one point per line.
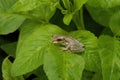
57 38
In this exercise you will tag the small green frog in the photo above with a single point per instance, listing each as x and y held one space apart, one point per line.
69 43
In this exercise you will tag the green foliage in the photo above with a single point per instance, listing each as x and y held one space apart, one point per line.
109 51
6 70
10 22
114 23
104 3
59 65
33 55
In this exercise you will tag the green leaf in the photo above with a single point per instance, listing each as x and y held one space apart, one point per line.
61 65
10 22
71 8
33 42
67 18
44 12
115 24
91 56
101 15
10 48
25 5
104 3
6 71
108 50
28 5
6 4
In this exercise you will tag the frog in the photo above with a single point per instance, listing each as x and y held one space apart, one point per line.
69 43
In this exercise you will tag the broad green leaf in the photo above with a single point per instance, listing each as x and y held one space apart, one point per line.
10 22
108 50
115 24
91 56
6 71
61 65
33 42
10 48
102 16
28 5
25 5
104 3
44 12
6 4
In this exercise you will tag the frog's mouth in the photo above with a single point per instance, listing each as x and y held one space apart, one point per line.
54 41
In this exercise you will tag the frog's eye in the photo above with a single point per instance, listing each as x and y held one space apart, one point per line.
59 39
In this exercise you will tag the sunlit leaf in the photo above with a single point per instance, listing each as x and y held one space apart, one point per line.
90 54
10 22
60 65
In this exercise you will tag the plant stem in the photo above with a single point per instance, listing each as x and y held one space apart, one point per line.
81 19
78 20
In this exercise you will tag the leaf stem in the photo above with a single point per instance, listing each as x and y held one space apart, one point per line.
78 20
81 19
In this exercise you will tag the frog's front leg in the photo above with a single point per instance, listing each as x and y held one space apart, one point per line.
66 48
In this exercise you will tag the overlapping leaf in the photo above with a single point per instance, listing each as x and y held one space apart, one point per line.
115 24
10 22
61 65
90 55
42 10
109 51
6 71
